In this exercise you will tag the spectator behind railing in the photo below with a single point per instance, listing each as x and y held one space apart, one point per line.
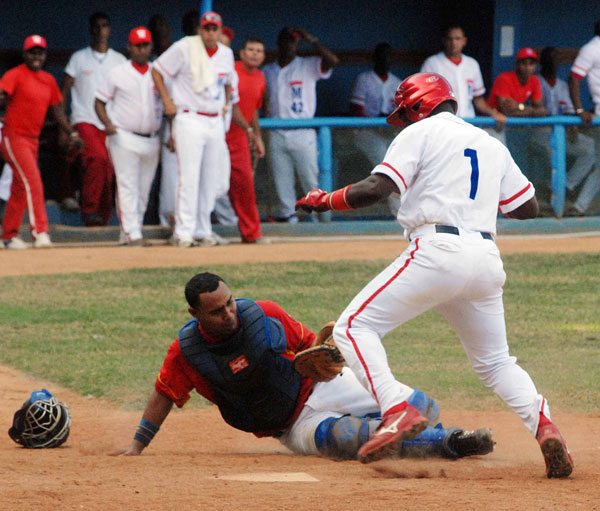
85 72
291 89
580 147
464 74
29 93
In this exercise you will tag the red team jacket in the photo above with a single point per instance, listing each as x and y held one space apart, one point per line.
177 378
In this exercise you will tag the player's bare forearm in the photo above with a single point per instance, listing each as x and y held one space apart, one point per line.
67 85
330 59
100 108
238 117
159 82
371 190
526 211
59 115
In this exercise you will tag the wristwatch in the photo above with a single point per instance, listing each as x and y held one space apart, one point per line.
579 111
521 107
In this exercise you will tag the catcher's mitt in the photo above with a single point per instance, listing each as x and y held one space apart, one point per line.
323 360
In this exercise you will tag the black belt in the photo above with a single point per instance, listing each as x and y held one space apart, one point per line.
450 229
145 135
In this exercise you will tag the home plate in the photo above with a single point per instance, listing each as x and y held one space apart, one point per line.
270 477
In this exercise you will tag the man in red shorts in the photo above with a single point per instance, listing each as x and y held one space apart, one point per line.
29 92
251 91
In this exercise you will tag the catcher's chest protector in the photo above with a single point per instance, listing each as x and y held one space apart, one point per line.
255 387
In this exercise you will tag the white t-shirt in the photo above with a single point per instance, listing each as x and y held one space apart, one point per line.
175 64
557 99
587 64
452 173
375 95
465 79
89 68
292 89
136 105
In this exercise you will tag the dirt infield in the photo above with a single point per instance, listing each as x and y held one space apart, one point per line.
197 462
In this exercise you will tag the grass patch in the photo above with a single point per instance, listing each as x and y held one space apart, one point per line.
105 334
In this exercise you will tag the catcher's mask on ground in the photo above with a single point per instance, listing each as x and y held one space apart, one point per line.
42 421
417 96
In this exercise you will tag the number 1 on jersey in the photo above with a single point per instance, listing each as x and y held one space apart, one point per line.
472 155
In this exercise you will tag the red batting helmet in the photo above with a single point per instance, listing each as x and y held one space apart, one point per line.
417 96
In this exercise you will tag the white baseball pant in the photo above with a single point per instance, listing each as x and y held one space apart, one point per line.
168 179
134 159
293 150
461 277
199 142
340 396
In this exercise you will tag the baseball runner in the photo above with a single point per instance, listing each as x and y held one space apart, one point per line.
132 133
85 72
29 93
239 354
201 71
453 178
292 94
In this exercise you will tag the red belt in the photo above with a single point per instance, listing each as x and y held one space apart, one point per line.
186 111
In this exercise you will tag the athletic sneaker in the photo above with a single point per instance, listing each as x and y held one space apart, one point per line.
396 427
219 240
462 443
182 243
42 240
15 243
559 463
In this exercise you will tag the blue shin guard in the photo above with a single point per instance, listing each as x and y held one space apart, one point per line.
426 405
340 438
432 442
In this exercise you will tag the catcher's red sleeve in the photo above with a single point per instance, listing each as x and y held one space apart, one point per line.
177 379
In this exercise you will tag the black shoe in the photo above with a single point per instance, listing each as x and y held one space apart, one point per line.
470 443
92 219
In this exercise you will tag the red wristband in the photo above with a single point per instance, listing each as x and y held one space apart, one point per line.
338 200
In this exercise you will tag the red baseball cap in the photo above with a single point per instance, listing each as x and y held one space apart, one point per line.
228 32
140 35
527 53
34 41
211 18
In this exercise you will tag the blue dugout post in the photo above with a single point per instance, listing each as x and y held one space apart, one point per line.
205 6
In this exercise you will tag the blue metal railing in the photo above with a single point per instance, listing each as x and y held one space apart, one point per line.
324 125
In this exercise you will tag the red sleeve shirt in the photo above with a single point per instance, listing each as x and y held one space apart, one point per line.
177 378
30 93
251 89
507 85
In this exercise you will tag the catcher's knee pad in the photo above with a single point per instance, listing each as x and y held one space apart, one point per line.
42 421
341 438
425 404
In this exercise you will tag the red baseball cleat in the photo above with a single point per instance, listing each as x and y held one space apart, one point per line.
556 454
395 427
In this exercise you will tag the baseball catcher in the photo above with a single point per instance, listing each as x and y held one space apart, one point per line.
271 376
42 421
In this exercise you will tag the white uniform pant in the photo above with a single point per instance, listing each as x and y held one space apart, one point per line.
290 152
340 396
223 208
134 159
461 277
200 146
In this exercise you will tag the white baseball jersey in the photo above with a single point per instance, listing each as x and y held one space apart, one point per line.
452 173
136 105
89 68
375 95
587 64
235 98
292 89
175 63
556 98
465 79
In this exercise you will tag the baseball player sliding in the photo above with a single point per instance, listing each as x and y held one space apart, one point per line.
240 355
132 133
453 178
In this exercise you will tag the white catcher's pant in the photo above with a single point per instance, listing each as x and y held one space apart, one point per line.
200 145
461 277
135 160
340 396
